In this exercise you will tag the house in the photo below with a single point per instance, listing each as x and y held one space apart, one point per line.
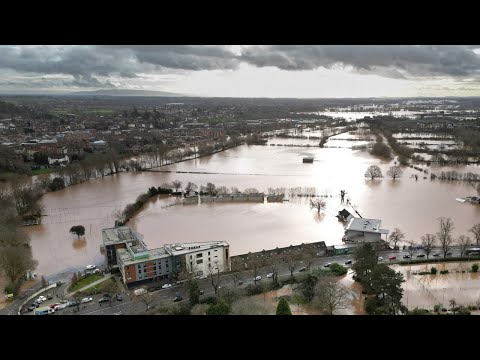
58 160
364 230
344 215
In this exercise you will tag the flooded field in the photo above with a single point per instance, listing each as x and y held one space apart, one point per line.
270 300
426 291
413 206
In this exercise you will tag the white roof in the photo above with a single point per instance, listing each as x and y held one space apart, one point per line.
365 225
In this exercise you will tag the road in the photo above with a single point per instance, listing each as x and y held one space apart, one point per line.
131 304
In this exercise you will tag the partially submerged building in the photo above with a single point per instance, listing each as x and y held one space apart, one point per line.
364 230
126 251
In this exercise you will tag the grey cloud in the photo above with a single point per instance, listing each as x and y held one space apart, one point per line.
87 64
415 61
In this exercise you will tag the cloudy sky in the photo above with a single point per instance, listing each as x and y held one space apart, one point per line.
245 71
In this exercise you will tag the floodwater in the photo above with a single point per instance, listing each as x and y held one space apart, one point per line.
354 304
355 115
426 291
413 206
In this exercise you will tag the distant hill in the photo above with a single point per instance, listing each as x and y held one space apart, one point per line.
126 92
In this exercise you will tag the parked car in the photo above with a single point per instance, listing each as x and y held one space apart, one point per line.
202 291
91 267
86 300
166 286
49 296
177 298
327 265
53 305
258 278
421 255
32 307
348 262
97 271
406 256
240 282
41 299
302 269
60 307
449 253
103 299
269 275
435 254
380 258
392 257
119 297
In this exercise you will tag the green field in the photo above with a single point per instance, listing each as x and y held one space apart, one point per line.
43 171
86 281
103 111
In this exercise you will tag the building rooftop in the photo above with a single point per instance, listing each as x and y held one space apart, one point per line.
154 254
185 248
120 234
365 225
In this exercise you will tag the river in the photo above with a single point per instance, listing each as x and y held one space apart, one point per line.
410 205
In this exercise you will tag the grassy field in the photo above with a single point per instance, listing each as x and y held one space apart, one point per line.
104 111
100 288
42 171
84 282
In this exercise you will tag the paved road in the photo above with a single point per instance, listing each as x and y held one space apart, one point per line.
133 305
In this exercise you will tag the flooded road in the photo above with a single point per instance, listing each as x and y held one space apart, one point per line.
410 205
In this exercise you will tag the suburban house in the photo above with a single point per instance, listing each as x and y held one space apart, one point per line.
364 230
58 160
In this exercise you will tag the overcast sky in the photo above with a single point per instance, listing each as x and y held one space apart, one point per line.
246 71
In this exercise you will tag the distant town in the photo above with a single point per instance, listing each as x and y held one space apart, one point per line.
166 205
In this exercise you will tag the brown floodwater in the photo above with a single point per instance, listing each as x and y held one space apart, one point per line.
426 291
413 206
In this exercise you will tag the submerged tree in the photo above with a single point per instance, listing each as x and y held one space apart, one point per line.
373 172
318 204
78 230
475 230
330 295
394 172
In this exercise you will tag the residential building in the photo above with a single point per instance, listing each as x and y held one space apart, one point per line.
364 230
126 251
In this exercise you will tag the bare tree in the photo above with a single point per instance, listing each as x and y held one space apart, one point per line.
373 172
394 172
292 259
318 204
395 237
251 191
210 189
428 242
214 276
444 234
176 184
330 295
463 243
234 190
453 305
190 187
236 277
147 299
222 190
15 261
272 265
255 263
411 248
475 230
308 253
